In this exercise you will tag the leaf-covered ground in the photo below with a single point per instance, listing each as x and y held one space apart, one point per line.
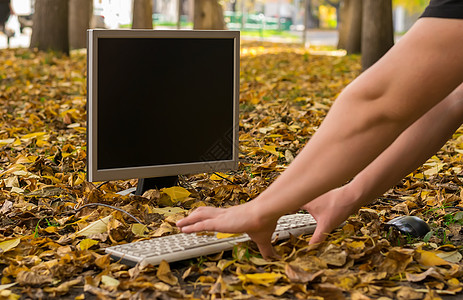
53 230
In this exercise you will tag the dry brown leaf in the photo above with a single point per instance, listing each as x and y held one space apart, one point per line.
165 275
333 255
297 274
408 293
431 272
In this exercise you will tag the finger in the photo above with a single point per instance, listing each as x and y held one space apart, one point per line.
264 243
198 215
318 236
206 225
267 250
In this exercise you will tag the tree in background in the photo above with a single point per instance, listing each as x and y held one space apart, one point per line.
366 27
80 13
312 20
350 26
142 14
377 30
208 14
50 26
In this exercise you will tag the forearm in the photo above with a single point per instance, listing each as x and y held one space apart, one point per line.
349 139
411 149
369 115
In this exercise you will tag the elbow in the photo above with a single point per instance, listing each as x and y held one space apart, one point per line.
376 110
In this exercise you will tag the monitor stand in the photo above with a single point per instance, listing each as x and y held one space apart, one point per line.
145 184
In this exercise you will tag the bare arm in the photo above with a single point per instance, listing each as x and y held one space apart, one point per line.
411 149
366 118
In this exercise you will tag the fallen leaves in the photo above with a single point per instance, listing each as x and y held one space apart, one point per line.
52 249
9 244
96 227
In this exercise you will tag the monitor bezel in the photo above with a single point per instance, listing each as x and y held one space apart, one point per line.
95 174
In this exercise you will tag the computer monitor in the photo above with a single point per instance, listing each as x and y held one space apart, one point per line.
161 103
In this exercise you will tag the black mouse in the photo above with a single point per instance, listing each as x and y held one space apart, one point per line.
410 225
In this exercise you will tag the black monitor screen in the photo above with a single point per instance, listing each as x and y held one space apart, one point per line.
164 101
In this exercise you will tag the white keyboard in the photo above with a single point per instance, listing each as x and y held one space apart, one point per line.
183 246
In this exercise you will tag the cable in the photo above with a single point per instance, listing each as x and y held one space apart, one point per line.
106 205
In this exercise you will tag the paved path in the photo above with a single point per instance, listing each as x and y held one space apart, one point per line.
314 37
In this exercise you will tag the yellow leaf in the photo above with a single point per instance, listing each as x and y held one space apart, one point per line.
221 235
74 125
72 112
109 281
7 286
435 165
6 142
429 259
271 149
52 178
87 243
356 245
25 174
9 244
218 177
223 264
96 227
176 193
280 290
164 274
33 135
198 204
139 229
16 190
81 129
266 279
41 143
51 229
346 282
168 211
453 282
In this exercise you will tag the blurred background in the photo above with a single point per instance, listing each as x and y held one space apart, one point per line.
313 21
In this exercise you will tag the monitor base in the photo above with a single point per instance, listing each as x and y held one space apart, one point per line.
145 184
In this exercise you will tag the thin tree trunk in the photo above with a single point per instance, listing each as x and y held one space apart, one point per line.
377 30
179 13
208 15
142 14
50 26
80 13
350 28
342 25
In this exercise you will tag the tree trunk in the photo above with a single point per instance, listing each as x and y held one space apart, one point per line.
377 30
342 25
350 28
80 13
208 15
179 13
142 14
50 26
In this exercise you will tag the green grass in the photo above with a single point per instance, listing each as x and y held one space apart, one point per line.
248 33
269 33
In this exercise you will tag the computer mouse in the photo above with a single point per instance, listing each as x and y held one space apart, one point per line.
410 225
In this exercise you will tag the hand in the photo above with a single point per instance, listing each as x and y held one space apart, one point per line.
330 210
237 219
